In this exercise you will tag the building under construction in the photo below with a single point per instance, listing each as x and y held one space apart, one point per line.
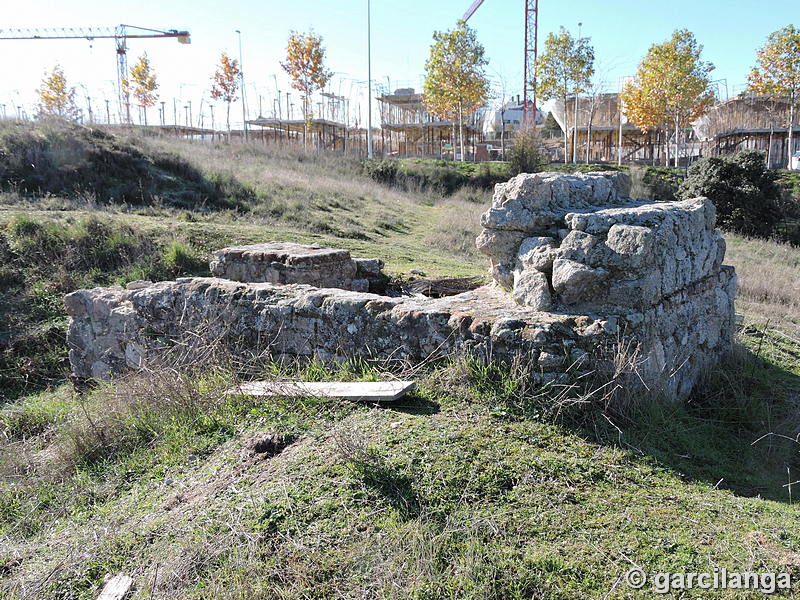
604 133
408 129
748 121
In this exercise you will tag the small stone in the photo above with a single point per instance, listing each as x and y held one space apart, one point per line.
531 288
574 282
610 326
537 253
548 360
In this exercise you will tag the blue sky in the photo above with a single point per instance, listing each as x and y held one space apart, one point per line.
620 30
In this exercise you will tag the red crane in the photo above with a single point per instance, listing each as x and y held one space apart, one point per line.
531 52
120 34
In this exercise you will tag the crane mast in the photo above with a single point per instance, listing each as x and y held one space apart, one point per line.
531 50
120 34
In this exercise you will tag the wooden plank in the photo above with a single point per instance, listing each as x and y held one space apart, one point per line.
116 588
356 391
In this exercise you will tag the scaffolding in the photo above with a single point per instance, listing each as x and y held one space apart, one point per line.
748 121
408 129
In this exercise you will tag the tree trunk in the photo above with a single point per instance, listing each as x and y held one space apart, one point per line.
575 133
791 122
503 134
566 127
769 149
677 142
228 121
589 132
461 129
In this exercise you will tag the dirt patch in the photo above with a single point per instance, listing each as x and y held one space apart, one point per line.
267 445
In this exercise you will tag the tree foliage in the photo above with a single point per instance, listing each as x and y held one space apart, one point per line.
56 97
742 188
455 79
225 83
566 67
777 69
672 85
551 126
144 82
305 65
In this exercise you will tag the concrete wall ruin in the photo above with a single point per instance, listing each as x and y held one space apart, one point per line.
580 271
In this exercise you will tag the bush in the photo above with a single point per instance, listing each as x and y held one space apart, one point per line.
179 259
742 188
659 184
383 171
69 160
526 155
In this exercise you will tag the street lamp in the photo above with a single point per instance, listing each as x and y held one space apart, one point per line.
241 77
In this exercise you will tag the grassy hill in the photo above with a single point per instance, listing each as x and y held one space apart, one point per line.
476 486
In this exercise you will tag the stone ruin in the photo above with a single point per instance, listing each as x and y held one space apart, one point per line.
286 262
581 273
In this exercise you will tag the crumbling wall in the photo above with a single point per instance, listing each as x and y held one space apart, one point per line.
558 241
582 273
287 262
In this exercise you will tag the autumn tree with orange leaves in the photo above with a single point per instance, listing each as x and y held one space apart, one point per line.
777 74
56 98
145 84
672 87
305 65
225 83
455 82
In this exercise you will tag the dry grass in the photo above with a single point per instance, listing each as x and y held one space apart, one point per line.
265 167
769 280
457 226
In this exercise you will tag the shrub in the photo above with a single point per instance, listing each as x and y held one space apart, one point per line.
655 183
66 159
742 188
179 259
526 155
383 171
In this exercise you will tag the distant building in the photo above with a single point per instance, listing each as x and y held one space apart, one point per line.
748 121
408 129
507 118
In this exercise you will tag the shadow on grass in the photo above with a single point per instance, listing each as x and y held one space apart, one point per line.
740 429
413 404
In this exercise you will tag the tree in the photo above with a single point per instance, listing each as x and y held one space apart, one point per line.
777 71
225 83
672 87
455 79
595 88
566 67
551 126
305 65
144 84
56 98
501 94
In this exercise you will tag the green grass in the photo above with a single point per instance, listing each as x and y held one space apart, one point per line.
472 487
443 496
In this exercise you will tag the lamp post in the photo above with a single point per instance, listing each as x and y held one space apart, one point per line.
241 77
369 82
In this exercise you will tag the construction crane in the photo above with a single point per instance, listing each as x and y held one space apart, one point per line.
531 52
120 34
